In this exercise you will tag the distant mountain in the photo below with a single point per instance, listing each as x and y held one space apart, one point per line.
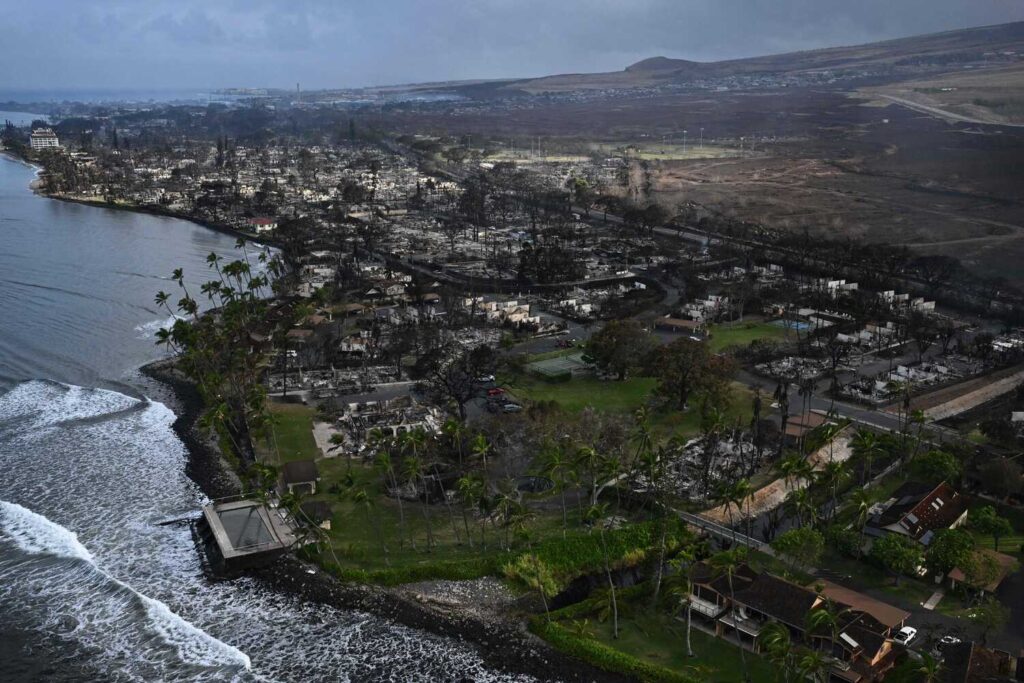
949 48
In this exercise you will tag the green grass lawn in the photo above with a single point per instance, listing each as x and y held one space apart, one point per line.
623 397
382 536
910 592
659 639
293 433
583 392
742 333
1010 544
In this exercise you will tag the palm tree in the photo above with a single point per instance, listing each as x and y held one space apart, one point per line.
589 460
867 444
413 470
469 489
558 468
777 644
861 499
821 619
481 448
383 464
801 504
930 668
789 467
597 515
814 666
834 473
455 430
682 590
507 505
363 499
729 495
781 394
728 563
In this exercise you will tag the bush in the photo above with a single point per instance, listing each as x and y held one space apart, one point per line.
602 656
629 546
846 541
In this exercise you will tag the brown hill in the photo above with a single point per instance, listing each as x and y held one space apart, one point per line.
912 54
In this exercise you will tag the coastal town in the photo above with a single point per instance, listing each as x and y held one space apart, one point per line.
669 442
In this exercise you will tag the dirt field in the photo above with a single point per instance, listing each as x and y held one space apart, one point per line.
827 161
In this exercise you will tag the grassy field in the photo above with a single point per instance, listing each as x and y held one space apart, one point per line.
293 432
659 639
623 397
584 392
742 333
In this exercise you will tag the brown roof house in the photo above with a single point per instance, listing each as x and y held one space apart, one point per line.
918 511
973 663
300 476
799 426
987 573
860 651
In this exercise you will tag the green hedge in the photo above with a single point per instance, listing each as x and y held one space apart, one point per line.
582 553
604 657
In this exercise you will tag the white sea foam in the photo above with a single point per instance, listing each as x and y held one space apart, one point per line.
39 404
33 533
193 644
111 479
148 330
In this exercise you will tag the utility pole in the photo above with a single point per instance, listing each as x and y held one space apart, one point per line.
702 138
684 142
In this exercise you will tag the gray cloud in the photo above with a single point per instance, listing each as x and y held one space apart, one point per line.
323 43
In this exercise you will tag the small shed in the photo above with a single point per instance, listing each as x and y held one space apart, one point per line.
300 476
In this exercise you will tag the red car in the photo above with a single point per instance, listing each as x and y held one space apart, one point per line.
496 391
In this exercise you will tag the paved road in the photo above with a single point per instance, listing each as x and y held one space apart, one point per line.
942 113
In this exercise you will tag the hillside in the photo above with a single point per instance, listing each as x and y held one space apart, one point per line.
912 56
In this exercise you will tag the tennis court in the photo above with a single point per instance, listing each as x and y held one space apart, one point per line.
571 364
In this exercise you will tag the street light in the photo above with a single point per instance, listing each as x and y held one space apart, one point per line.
684 142
702 138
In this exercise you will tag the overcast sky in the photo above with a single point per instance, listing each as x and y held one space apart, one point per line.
150 44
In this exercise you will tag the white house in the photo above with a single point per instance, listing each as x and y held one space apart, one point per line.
43 138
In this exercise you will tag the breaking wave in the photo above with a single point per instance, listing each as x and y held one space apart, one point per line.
149 330
35 534
85 561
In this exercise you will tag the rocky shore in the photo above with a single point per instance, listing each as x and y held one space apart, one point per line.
480 613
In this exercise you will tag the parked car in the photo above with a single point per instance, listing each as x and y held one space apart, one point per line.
512 407
485 379
495 391
906 635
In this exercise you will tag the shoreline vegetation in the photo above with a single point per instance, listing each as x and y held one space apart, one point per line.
501 639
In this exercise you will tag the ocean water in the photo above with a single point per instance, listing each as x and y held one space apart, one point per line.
95 584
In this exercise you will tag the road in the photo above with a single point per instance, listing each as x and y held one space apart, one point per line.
944 114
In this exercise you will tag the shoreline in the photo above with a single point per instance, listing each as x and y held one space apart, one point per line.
501 640
151 210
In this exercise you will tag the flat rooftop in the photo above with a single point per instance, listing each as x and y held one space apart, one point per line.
248 527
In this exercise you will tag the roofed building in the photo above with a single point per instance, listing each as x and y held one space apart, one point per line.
861 649
301 476
43 138
918 511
